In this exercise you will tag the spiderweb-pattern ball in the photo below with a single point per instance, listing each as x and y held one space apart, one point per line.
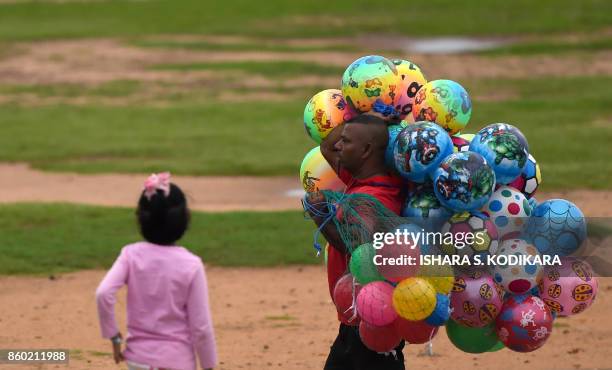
517 278
475 301
414 299
324 111
568 289
368 79
509 210
374 303
557 227
524 323
444 102
505 149
529 179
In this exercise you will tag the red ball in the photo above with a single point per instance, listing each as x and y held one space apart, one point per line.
343 299
379 338
415 332
524 323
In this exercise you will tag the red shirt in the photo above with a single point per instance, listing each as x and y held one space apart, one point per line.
387 190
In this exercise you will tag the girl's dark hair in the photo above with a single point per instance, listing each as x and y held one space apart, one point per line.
163 219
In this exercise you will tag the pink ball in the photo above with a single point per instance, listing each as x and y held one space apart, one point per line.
374 303
343 299
379 338
570 288
398 252
475 300
524 323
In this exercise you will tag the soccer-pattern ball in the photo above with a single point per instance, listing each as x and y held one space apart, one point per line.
530 178
509 210
517 278
485 243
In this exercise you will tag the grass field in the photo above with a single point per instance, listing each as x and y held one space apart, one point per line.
55 238
278 18
564 120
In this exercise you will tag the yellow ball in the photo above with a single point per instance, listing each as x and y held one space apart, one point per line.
441 277
414 299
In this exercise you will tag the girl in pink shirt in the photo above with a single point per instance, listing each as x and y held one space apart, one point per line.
168 314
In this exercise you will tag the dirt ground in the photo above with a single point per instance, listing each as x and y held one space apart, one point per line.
268 318
204 193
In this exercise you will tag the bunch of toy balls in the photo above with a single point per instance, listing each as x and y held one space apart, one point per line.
457 183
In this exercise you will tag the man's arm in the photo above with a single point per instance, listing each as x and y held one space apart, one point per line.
329 231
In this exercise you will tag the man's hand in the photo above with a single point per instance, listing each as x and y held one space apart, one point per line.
116 342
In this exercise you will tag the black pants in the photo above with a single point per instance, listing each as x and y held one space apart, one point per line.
349 353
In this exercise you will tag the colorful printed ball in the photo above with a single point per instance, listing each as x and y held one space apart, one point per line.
374 303
517 278
464 182
424 209
505 149
419 150
367 80
441 277
473 234
344 294
362 264
530 178
379 338
568 289
409 80
524 323
324 111
509 210
414 299
394 130
316 174
556 227
461 142
441 313
475 300
444 102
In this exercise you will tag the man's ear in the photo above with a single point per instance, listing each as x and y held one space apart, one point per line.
367 150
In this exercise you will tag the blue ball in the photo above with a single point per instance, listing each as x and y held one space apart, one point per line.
505 149
419 150
556 227
424 209
441 312
464 182
394 130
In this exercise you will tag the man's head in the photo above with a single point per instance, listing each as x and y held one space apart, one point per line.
362 144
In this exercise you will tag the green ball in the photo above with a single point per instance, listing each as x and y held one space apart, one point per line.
497 347
472 340
362 265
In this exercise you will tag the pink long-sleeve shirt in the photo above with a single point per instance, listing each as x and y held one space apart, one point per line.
168 315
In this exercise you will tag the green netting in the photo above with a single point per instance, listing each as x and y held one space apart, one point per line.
358 216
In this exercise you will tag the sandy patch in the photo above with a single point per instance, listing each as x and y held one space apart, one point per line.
210 193
268 318
92 61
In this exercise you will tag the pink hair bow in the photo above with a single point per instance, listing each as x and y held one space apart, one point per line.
157 182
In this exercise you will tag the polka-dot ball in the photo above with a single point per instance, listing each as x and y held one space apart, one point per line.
516 278
509 210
